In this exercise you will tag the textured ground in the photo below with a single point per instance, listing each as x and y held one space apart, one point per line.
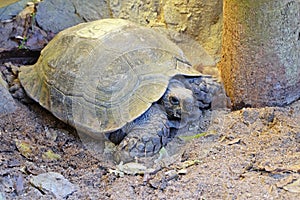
247 154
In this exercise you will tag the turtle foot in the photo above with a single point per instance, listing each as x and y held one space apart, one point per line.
146 136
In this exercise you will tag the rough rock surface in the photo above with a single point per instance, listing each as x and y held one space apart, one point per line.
22 33
56 15
200 19
260 63
6 13
7 103
54 184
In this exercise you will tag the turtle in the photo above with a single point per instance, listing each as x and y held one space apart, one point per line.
115 80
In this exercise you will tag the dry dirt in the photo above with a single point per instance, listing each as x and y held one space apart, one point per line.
247 154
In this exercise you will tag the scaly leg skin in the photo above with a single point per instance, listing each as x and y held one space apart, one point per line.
208 92
145 136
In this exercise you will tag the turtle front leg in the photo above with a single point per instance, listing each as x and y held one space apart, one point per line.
209 93
145 136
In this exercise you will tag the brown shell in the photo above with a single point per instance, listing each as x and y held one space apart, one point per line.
100 75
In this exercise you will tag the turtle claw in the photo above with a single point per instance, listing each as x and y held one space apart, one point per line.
130 148
145 136
146 148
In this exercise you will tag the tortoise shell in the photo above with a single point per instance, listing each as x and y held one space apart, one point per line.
99 76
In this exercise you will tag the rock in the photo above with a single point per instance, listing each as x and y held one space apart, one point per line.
7 103
132 168
171 174
92 9
192 49
2 196
25 148
202 20
10 11
56 15
20 35
6 183
19 184
54 184
198 18
143 12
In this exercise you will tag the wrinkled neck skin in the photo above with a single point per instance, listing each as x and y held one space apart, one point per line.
180 104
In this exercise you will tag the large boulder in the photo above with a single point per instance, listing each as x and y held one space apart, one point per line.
200 19
11 10
57 15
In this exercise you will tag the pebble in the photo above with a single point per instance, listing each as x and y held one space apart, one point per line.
182 172
2 196
54 184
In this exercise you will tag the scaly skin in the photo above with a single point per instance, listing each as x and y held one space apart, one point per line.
181 104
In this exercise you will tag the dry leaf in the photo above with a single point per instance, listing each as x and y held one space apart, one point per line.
283 182
293 187
50 155
234 141
24 148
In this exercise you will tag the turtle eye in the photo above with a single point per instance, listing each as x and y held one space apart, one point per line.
174 100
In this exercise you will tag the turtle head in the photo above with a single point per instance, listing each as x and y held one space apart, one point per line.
180 103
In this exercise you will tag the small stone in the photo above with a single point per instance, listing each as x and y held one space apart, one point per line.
159 183
2 196
154 184
171 174
297 137
145 139
51 134
54 184
19 185
13 163
172 16
156 141
182 171
7 103
133 168
30 3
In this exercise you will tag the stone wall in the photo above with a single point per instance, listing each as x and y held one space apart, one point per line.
201 19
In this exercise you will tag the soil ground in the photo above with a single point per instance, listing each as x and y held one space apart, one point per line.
247 154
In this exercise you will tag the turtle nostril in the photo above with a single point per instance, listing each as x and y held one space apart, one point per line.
177 113
174 100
